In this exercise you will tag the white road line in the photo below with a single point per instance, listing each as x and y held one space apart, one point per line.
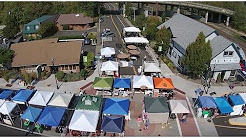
118 17
198 129
179 128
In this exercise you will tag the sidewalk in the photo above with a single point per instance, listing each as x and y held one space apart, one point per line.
73 87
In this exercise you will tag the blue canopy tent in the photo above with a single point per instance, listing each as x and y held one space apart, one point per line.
31 114
122 83
223 105
6 93
51 116
23 96
206 102
116 106
112 124
236 100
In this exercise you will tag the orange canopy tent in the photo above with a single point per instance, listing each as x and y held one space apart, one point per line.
163 83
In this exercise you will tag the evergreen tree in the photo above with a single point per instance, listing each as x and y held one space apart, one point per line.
6 56
198 56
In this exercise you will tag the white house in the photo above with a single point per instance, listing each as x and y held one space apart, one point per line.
226 55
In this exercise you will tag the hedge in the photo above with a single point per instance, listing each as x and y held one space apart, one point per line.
71 37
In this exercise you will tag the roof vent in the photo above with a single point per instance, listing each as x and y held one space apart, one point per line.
77 15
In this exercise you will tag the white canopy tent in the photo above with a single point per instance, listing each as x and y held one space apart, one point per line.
61 99
131 29
1 102
179 106
107 51
41 98
243 95
110 66
136 40
151 67
7 107
139 81
84 120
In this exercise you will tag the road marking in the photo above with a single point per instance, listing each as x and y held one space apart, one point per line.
230 127
116 27
179 128
118 16
194 117
134 69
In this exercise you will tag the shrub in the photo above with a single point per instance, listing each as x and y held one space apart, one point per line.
83 73
59 75
92 35
27 78
43 73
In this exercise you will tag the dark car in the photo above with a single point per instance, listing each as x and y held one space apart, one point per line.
107 34
87 41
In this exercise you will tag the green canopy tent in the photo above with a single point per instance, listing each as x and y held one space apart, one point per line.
157 109
103 83
89 102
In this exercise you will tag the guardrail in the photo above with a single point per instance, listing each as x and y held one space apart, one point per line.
200 6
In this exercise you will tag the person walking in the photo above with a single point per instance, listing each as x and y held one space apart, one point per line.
139 121
146 124
183 119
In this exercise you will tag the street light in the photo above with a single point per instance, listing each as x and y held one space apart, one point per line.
53 60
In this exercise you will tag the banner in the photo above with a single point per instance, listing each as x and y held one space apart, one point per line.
160 48
84 59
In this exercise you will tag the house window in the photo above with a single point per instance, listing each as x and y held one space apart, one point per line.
27 27
174 54
228 53
70 67
74 67
180 61
66 67
36 27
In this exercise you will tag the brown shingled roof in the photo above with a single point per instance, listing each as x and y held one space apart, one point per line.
42 51
74 19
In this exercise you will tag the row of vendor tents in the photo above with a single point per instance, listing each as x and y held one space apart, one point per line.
46 109
233 104
88 112
138 82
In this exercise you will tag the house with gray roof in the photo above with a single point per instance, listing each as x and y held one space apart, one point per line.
226 55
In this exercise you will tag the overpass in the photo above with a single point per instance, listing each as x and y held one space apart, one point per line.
193 5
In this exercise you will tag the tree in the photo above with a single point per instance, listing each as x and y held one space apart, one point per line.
6 56
27 78
198 56
83 73
163 37
128 9
47 29
140 21
92 35
239 18
152 23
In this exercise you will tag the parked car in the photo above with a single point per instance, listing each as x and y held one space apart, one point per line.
87 41
85 34
107 34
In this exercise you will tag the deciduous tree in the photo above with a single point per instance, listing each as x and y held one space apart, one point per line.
152 23
6 56
163 37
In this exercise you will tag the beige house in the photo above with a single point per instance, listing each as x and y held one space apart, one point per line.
49 54
74 22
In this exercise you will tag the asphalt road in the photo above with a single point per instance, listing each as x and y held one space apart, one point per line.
7 131
225 129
